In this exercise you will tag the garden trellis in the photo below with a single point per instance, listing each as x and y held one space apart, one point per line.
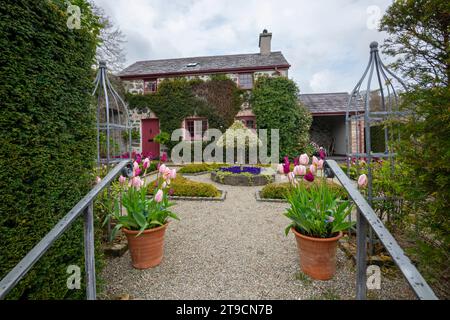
113 121
373 103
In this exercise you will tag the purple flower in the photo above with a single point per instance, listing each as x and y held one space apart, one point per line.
322 154
329 219
296 161
237 169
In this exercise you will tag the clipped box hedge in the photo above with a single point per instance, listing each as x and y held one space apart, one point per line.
279 190
183 187
47 134
202 167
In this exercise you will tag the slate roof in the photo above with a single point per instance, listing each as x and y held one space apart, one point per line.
205 64
327 103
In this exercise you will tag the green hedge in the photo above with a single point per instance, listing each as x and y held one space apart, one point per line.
47 134
201 167
279 190
188 188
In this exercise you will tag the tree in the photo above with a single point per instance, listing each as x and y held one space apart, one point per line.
275 104
110 48
419 38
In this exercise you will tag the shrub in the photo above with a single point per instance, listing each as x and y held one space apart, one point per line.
187 188
276 106
47 134
280 190
201 167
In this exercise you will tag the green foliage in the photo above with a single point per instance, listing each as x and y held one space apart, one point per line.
281 190
276 106
418 37
141 213
47 134
187 188
162 138
135 135
195 168
217 99
316 211
114 147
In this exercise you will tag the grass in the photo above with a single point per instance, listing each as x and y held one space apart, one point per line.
300 276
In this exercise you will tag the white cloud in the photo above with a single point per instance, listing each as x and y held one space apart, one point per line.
326 42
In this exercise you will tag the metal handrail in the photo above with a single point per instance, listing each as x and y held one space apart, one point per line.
85 206
366 217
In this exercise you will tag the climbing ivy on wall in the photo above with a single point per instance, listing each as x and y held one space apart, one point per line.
275 103
218 99
47 134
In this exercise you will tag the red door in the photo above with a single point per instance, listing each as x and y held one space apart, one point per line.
150 128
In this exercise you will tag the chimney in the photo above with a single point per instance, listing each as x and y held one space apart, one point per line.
265 38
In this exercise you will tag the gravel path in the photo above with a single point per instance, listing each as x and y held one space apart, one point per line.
234 249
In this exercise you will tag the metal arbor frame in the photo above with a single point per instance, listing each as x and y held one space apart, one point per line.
363 113
113 119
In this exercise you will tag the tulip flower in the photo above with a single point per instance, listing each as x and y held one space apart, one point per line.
137 172
98 180
315 161
164 157
301 170
320 164
167 173
362 181
309 177
164 185
296 161
162 168
146 163
138 158
136 182
329 219
312 169
291 176
159 196
122 180
135 165
171 192
173 174
304 159
280 168
286 167
322 154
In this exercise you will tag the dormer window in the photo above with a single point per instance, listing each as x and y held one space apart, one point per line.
192 64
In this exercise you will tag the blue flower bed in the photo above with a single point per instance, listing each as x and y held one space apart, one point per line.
237 169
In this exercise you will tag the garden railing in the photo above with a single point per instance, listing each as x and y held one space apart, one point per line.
366 218
86 207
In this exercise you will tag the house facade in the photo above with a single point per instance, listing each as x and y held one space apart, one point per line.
328 109
144 77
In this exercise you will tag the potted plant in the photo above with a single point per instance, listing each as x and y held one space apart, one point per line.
318 219
144 220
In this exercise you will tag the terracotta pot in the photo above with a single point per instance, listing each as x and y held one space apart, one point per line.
147 249
317 255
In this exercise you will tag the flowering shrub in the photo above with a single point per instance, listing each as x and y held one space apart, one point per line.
315 209
143 213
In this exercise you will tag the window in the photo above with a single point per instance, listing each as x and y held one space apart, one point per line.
196 128
246 80
150 86
250 124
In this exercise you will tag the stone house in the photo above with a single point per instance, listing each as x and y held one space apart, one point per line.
143 77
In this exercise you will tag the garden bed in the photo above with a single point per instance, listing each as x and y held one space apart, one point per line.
276 192
182 188
245 176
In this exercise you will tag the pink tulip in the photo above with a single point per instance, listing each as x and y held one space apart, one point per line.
304 159
162 168
173 174
320 164
159 196
301 170
362 181
135 165
137 172
167 173
312 169
146 163
280 169
291 176
98 180
122 180
164 185
136 182
315 161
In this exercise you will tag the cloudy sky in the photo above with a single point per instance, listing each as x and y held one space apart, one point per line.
325 41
